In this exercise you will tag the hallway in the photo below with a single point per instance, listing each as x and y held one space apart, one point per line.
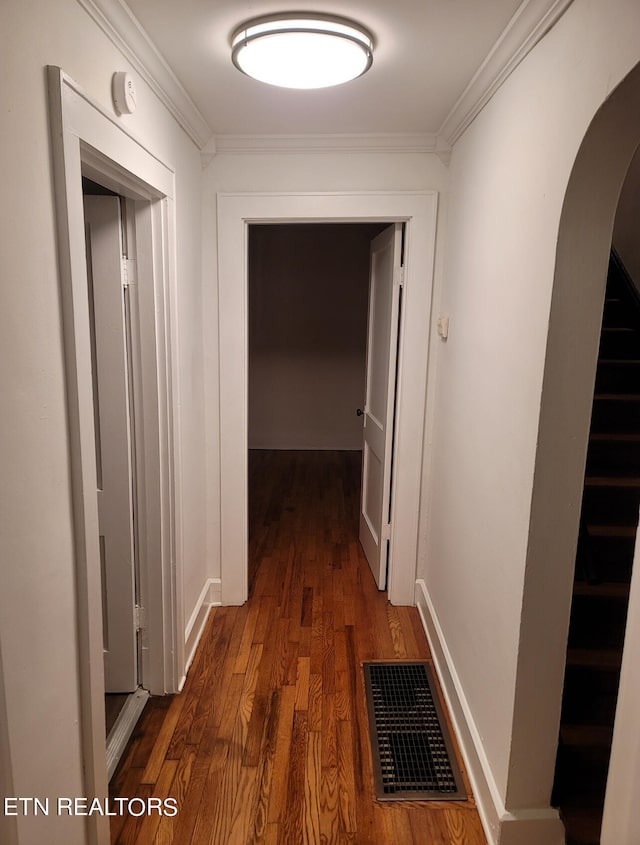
268 740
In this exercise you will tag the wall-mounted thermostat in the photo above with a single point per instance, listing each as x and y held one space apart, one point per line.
123 91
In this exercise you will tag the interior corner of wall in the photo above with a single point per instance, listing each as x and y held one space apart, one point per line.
501 826
485 790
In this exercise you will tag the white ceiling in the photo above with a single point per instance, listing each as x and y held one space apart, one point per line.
427 51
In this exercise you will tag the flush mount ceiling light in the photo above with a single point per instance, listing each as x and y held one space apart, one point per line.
302 50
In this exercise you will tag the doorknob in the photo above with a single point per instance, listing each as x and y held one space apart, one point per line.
359 412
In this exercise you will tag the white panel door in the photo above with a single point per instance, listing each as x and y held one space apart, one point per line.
110 372
382 346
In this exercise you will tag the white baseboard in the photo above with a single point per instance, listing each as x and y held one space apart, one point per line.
211 596
501 827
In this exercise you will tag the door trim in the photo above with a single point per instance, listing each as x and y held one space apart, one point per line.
87 140
235 213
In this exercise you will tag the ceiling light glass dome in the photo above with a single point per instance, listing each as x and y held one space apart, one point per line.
302 51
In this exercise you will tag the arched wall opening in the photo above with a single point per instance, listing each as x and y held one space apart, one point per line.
584 242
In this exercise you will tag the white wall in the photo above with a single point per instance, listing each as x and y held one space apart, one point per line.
37 604
499 597
308 292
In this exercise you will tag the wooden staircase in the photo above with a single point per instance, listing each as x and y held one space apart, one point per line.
603 568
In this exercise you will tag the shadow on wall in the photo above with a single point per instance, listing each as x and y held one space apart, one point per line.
626 229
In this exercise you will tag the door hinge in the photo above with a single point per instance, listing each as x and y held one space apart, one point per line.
386 532
400 276
139 617
128 272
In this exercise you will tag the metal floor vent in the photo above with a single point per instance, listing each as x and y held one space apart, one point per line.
413 756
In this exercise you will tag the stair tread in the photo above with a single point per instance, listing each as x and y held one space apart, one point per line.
612 481
596 658
625 532
603 589
615 437
623 361
594 736
583 825
617 397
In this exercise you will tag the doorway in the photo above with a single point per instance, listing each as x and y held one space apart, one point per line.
87 142
582 257
110 240
236 212
308 314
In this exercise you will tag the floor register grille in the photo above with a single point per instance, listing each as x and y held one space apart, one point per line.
413 753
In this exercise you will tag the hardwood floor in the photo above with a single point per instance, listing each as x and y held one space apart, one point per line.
268 742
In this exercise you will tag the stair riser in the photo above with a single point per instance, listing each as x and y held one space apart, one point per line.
617 416
618 377
581 774
613 457
612 558
611 505
620 345
616 314
597 622
590 696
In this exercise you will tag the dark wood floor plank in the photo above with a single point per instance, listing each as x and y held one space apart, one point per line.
346 777
415 642
213 810
132 830
313 789
278 796
127 787
302 683
329 806
242 815
149 823
293 823
186 789
163 738
328 732
315 702
268 743
247 640
258 831
145 732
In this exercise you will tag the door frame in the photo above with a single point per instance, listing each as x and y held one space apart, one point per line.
88 140
236 211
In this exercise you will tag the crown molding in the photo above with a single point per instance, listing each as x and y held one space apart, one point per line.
125 32
531 22
354 143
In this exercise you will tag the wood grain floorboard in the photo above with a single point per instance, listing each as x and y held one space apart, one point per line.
268 742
